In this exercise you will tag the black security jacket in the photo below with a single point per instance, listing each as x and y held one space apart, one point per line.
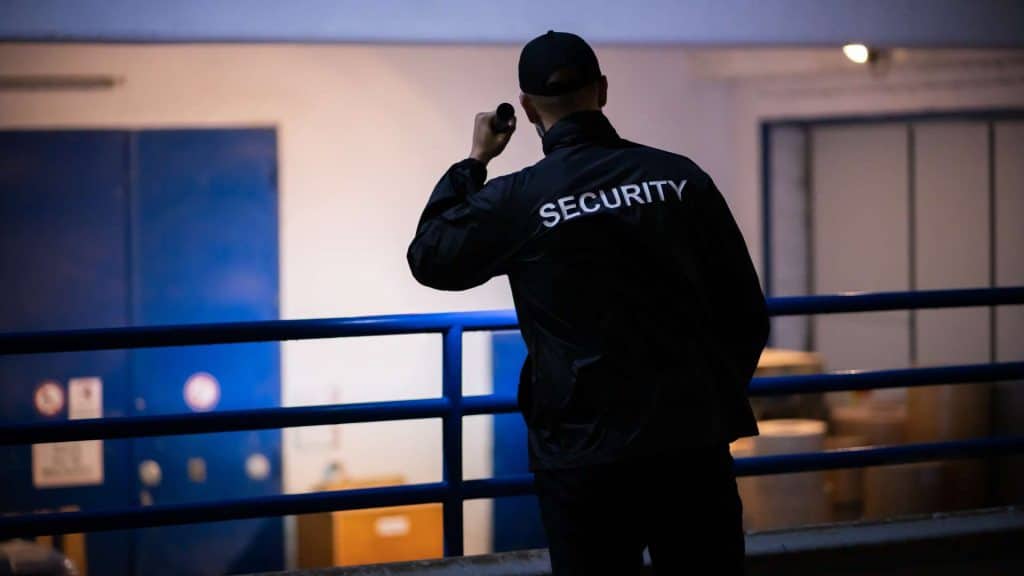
636 296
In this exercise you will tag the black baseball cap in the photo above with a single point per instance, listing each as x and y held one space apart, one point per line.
554 52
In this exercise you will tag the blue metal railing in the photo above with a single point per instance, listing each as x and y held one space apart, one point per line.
451 408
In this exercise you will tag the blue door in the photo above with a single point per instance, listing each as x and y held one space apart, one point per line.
104 229
63 265
205 250
517 523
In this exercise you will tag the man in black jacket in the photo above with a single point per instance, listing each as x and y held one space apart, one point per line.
642 315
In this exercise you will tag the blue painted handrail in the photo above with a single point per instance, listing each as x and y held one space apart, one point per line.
880 301
164 514
263 331
277 330
452 406
265 418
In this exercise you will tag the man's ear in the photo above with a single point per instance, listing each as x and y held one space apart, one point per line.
531 111
602 92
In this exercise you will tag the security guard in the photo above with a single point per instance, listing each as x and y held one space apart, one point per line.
641 311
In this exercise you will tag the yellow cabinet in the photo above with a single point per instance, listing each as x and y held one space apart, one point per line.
375 535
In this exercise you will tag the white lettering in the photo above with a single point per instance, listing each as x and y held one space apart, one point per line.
567 203
583 205
548 211
658 184
678 189
618 201
572 206
635 194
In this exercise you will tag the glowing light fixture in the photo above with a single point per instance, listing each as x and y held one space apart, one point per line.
858 53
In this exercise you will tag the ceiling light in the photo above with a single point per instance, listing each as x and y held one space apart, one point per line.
858 53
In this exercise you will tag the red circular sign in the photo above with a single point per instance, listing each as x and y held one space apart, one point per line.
49 398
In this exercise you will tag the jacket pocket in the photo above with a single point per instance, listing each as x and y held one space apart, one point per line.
524 393
550 380
588 390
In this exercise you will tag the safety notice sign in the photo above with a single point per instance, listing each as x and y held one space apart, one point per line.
73 463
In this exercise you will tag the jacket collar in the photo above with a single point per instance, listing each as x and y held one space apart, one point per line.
578 127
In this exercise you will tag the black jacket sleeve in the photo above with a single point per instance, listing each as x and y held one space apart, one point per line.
465 235
737 302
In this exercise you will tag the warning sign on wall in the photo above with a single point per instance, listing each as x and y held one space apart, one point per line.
73 463
49 398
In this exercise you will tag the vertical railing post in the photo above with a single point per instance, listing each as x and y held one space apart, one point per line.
451 387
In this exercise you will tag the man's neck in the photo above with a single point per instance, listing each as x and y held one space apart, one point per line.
550 120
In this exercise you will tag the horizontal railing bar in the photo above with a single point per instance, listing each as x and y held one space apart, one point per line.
226 421
489 404
500 487
881 301
241 332
872 379
279 330
825 382
862 457
235 509
859 457
159 515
